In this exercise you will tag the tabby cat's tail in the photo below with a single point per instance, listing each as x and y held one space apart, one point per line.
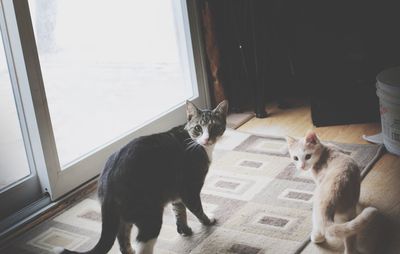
109 230
354 226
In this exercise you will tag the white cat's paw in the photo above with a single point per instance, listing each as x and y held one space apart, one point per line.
317 237
58 250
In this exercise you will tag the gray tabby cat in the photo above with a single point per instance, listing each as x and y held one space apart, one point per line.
337 178
152 171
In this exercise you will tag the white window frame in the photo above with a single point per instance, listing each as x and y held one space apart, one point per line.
28 189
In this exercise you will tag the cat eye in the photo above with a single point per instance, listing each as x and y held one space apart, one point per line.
295 158
198 128
308 156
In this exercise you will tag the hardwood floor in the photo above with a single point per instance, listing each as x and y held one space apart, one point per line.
380 188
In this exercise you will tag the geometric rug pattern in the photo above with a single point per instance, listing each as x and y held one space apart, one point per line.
261 202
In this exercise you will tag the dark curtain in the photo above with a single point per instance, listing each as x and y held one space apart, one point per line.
255 43
326 51
350 44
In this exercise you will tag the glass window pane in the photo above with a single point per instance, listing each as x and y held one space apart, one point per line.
109 67
13 159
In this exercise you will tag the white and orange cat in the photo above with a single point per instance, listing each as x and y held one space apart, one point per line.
337 178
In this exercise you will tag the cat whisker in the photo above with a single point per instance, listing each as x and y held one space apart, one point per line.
189 141
192 146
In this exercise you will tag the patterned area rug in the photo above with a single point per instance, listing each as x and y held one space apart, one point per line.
262 204
235 120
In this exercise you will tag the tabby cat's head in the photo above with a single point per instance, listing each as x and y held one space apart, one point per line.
206 126
304 152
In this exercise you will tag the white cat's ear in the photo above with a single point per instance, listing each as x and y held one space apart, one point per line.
191 110
311 137
290 141
222 108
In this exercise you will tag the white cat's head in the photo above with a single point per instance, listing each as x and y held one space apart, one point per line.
304 152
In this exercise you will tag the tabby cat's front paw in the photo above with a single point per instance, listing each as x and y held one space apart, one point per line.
209 222
184 230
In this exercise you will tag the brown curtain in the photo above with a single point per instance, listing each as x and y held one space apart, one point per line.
235 53
213 55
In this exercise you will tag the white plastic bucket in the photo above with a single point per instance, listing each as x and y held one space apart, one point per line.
388 91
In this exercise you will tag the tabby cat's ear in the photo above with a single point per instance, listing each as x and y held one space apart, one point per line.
290 141
311 137
191 110
222 108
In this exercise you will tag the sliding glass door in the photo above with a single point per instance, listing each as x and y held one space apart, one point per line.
103 72
109 69
19 182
